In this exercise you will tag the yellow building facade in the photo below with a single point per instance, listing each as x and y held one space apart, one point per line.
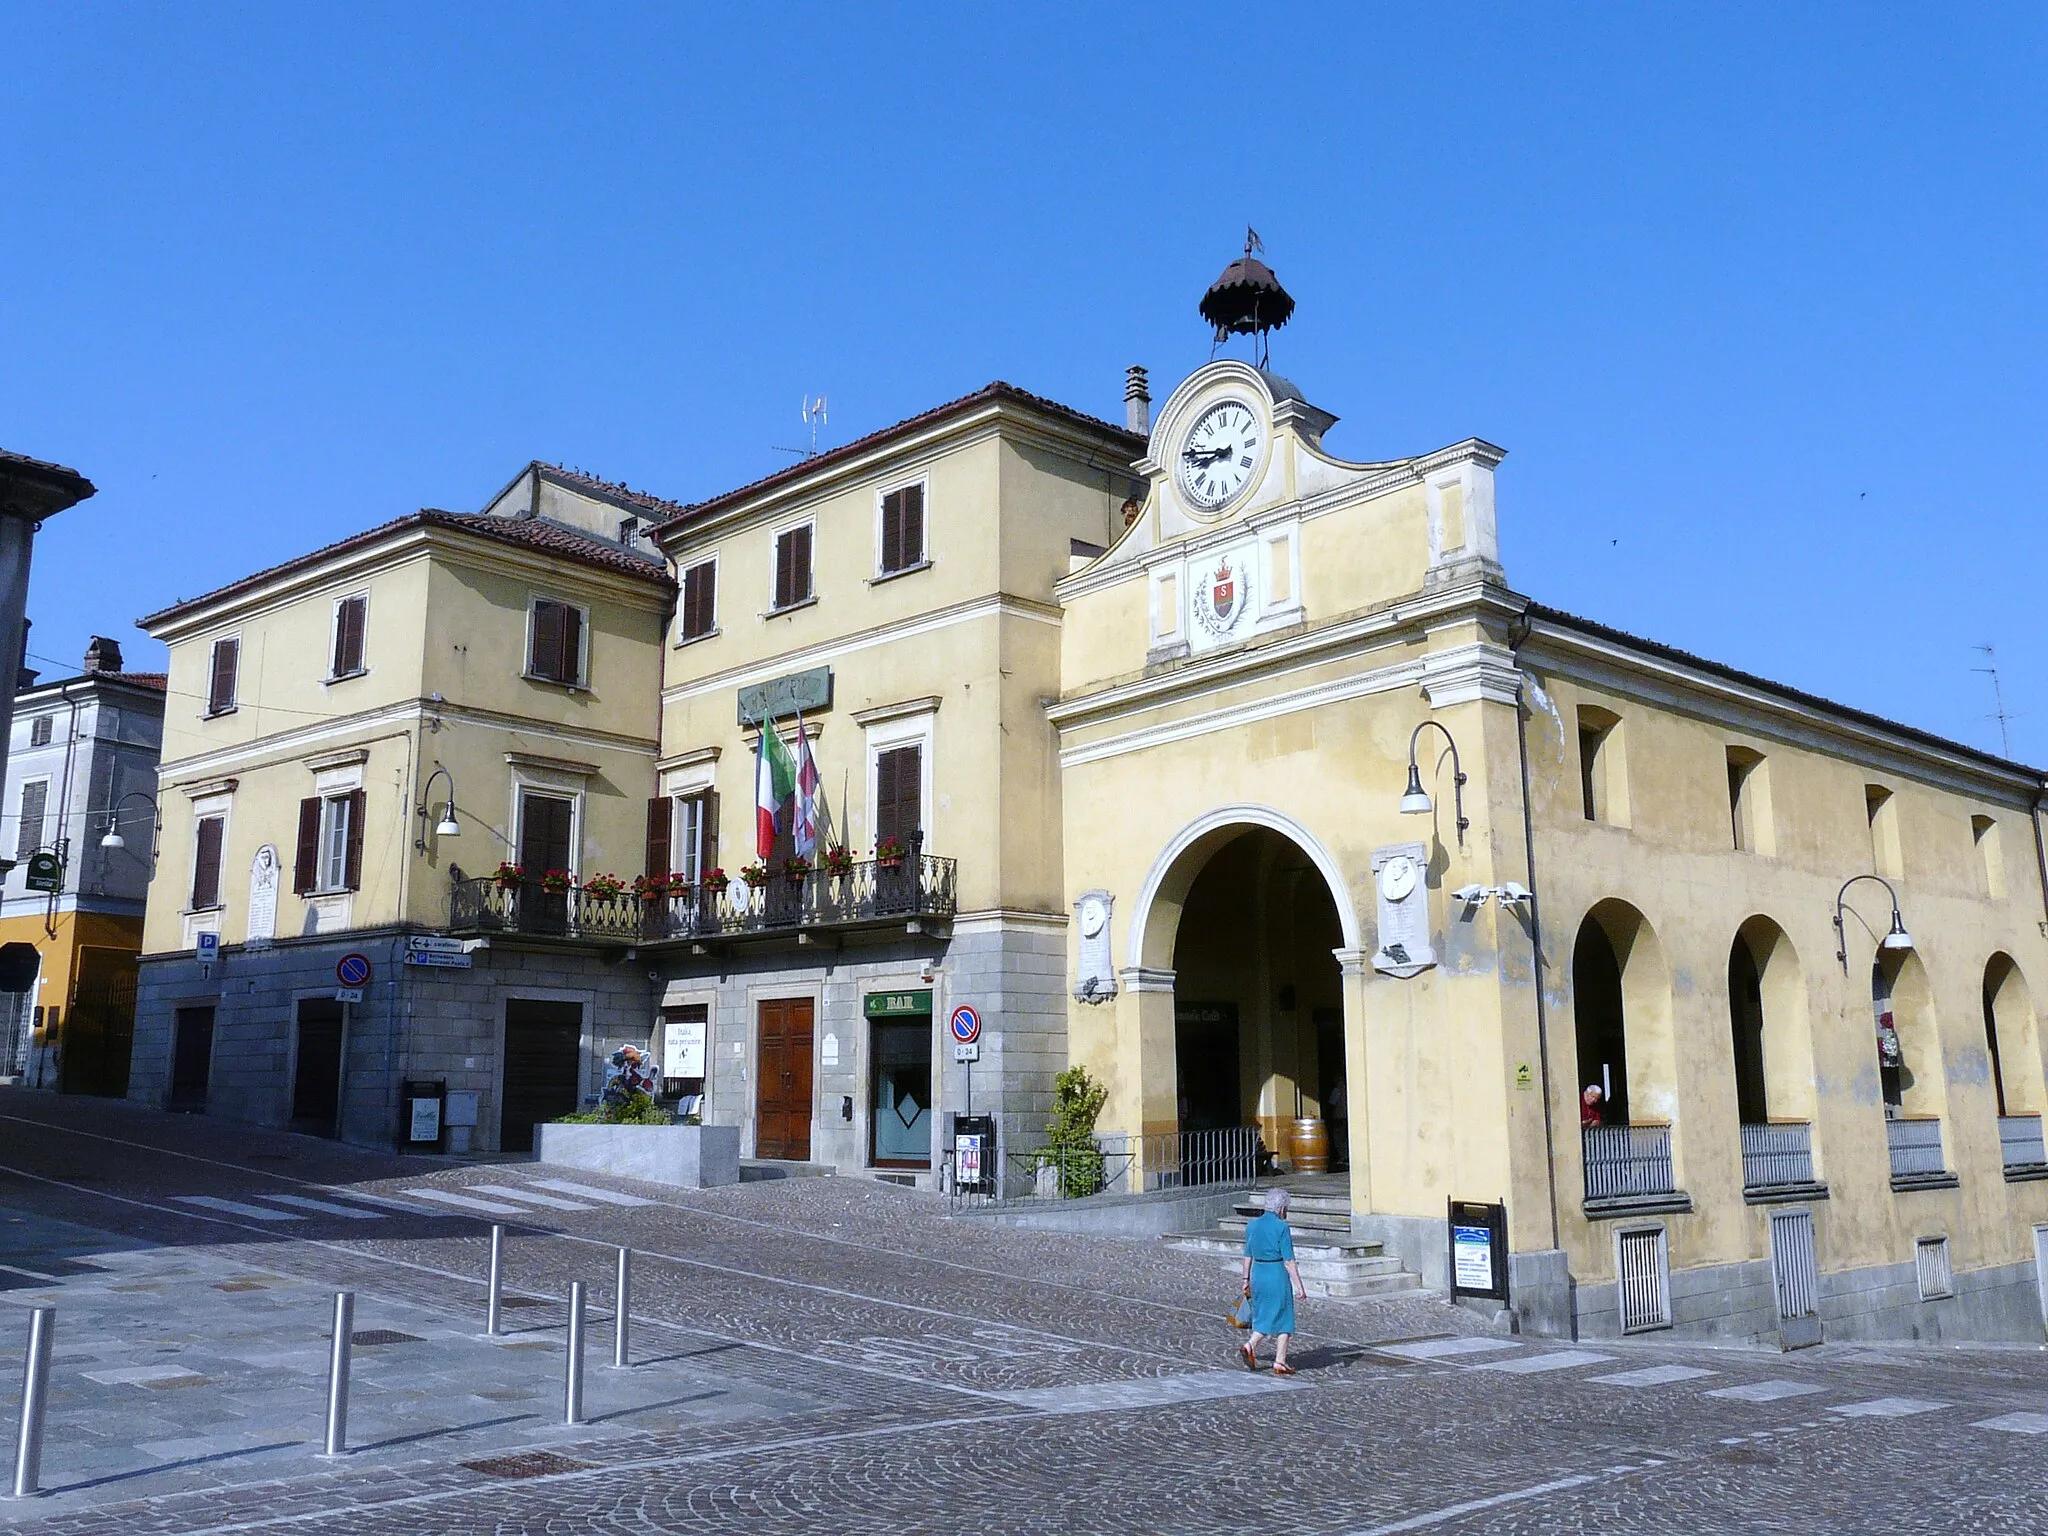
1615 866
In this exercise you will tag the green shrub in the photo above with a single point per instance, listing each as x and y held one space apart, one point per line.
638 1109
1070 1134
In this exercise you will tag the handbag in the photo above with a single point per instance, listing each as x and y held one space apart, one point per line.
1241 1314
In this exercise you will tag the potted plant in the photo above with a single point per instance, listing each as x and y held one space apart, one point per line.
889 853
508 876
794 870
838 860
755 874
714 881
556 882
651 888
603 887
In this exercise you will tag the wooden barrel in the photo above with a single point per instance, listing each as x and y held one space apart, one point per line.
1308 1145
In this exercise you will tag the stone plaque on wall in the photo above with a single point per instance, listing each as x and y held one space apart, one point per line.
1400 877
1094 974
263 877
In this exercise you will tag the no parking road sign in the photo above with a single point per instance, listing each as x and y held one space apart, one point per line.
966 1027
352 970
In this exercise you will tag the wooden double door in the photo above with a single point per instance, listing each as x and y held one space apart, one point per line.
782 1081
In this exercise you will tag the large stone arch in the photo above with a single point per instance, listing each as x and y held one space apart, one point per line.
1783 1025
1644 987
2012 1035
1156 917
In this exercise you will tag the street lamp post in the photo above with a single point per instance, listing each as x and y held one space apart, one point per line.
1896 939
113 837
1415 800
447 826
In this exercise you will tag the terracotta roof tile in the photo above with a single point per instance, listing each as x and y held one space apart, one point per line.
612 490
530 533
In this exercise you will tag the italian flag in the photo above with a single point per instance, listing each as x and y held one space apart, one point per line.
774 783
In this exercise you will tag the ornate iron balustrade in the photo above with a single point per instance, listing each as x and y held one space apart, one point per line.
1628 1162
871 892
1915 1148
1777 1155
2020 1143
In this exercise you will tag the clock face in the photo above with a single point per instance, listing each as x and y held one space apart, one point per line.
1397 877
1218 454
1093 916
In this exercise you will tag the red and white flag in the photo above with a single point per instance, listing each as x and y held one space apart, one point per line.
804 825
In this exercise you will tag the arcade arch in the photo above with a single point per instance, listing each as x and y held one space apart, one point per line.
1621 1017
1908 1048
1773 1038
2012 1038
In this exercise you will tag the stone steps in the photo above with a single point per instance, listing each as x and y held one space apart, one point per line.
1334 1265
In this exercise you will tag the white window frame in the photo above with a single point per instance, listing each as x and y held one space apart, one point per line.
334 639
909 730
582 677
534 781
679 785
775 539
221 806
923 481
48 723
330 872
716 594
206 710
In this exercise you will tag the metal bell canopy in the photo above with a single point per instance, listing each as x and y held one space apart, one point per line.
1247 300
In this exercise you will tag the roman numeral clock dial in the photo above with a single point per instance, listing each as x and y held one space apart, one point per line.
1217 456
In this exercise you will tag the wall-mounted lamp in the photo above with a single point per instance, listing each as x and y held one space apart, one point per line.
1415 800
1898 938
113 837
447 826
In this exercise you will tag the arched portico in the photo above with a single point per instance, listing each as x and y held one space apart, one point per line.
1240 1007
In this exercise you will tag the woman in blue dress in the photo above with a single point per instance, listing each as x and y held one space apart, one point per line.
1273 1280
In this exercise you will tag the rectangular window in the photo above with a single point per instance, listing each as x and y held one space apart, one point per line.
903 528
1749 802
1990 856
899 794
39 731
220 690
330 848
1883 813
1603 767
350 614
546 826
211 832
28 836
554 647
695 845
700 600
629 528
793 566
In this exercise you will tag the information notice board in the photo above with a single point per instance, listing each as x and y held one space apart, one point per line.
1479 1250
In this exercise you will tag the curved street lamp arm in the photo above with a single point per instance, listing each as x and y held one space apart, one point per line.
1457 771
1841 930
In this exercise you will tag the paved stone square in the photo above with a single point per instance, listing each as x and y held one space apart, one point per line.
834 1354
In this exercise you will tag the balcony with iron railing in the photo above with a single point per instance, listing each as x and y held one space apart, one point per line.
1916 1158
871 893
2021 1149
1777 1162
1629 1170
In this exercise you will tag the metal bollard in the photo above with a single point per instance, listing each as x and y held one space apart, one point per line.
622 1325
35 1397
337 1373
572 1390
492 1305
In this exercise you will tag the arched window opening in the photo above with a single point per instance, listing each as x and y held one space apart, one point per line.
1991 981
1598 1013
1746 1013
1891 1056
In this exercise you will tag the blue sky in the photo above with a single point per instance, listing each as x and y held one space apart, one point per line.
1756 297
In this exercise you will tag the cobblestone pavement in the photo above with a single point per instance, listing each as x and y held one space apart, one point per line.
837 1355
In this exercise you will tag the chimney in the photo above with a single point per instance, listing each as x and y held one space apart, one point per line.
1137 401
103 655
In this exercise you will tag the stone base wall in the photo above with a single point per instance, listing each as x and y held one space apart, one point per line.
413 1022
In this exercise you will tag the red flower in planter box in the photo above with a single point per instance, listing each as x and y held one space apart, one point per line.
889 853
838 861
556 882
507 877
714 880
603 887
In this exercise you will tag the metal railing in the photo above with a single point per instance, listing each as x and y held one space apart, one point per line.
1113 1165
1777 1154
2019 1141
1628 1161
920 885
1915 1147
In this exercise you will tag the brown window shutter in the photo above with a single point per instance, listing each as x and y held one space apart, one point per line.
28 835
660 818
572 645
784 569
898 791
220 693
695 580
352 880
206 863
892 532
913 524
707 598
545 654
711 829
800 564
348 636
306 868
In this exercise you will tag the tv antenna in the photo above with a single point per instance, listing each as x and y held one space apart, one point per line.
1990 669
813 416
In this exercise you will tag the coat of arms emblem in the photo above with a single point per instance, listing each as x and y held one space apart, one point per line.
1220 598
